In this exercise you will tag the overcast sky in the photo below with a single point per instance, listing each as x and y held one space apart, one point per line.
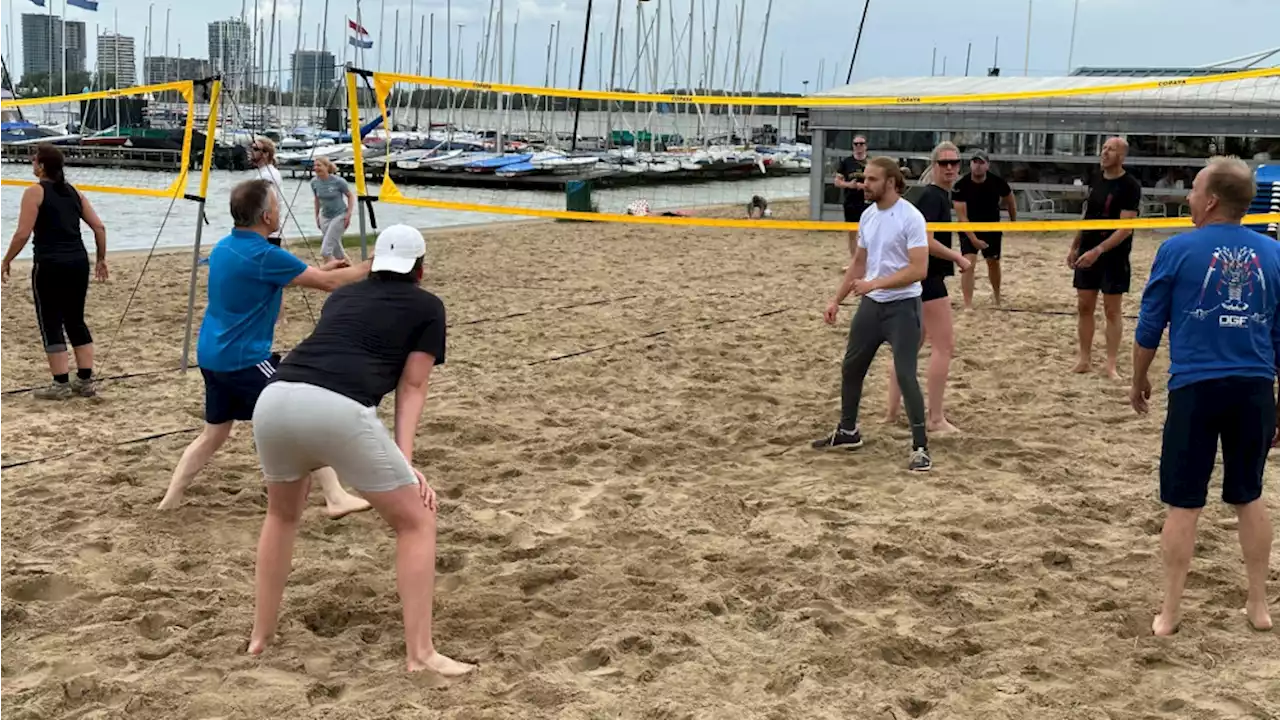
899 38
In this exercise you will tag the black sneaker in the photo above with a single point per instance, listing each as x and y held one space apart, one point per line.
840 439
920 461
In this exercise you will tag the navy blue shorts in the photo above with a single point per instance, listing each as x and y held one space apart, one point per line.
232 395
1239 410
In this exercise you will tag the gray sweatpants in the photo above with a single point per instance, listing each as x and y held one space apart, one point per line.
331 245
898 323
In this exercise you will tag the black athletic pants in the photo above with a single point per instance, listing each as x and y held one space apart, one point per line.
59 289
897 322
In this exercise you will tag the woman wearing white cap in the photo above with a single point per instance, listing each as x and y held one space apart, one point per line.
381 334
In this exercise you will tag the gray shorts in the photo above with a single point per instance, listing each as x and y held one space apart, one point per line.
331 244
299 428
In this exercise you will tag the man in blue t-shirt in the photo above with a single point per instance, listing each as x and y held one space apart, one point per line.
247 277
1217 288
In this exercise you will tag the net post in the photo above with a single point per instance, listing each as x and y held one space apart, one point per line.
191 288
364 237
215 95
357 153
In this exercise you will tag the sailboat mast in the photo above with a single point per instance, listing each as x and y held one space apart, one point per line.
715 37
271 49
688 73
417 104
296 82
613 76
499 141
764 43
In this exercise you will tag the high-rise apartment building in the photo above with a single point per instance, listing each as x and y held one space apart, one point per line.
231 51
116 59
42 45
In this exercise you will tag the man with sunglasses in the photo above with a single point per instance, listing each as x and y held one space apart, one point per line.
849 178
978 197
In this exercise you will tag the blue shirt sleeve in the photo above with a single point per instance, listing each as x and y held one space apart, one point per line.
1275 323
1157 300
280 267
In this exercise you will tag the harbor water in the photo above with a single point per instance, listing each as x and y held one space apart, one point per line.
136 223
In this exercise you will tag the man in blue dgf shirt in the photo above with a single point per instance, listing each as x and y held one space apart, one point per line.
247 277
1217 289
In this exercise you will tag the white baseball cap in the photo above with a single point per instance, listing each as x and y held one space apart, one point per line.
397 249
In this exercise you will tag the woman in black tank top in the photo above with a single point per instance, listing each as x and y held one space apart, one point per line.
52 211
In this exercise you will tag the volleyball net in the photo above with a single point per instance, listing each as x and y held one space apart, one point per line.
452 151
151 128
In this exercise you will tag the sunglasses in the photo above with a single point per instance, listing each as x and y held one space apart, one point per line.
950 163
257 148
859 144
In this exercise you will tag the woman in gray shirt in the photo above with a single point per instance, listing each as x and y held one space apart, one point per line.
334 203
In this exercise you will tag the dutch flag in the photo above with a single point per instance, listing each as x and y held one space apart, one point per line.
358 40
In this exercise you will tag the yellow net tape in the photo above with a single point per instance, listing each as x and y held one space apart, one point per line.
185 87
215 97
390 192
384 81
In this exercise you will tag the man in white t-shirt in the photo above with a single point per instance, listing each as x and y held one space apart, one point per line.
262 154
891 260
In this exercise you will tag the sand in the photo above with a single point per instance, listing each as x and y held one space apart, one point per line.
633 525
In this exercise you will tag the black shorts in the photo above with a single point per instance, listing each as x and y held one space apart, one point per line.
1239 410
232 395
992 239
853 213
1111 275
933 287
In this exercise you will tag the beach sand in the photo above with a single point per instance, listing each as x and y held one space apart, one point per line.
632 523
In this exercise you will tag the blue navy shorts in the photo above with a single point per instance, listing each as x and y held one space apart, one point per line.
232 395
1241 411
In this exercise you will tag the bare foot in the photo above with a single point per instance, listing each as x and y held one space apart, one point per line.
1110 373
442 665
257 646
943 428
890 419
173 496
1162 626
345 505
1082 365
1259 617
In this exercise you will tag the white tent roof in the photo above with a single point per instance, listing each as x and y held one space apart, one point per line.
1253 94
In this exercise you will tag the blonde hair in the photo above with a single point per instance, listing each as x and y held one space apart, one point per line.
327 163
926 177
268 148
1231 181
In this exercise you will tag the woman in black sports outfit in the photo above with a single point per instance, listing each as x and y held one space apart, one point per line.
52 210
934 202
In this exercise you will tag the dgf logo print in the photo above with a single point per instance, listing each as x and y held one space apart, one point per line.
1234 277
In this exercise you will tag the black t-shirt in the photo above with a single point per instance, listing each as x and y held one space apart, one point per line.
935 204
365 333
853 169
1107 199
57 229
982 199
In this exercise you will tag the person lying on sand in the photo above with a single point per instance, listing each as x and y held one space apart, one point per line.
381 334
247 276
